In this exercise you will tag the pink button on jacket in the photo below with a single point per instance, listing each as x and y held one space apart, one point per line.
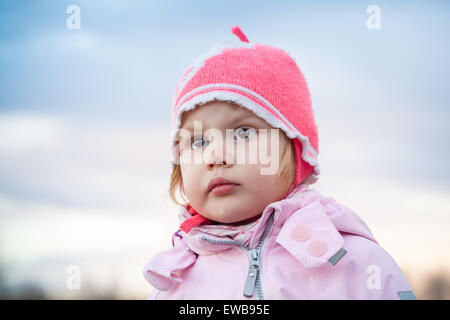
306 247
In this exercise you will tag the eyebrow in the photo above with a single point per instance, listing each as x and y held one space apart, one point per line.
235 121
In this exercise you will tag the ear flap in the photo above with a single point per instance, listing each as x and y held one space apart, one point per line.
302 168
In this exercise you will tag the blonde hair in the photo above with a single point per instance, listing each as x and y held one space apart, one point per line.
285 172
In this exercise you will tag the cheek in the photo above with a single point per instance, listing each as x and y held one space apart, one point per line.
254 179
190 176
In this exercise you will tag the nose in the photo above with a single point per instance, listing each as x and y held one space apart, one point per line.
217 159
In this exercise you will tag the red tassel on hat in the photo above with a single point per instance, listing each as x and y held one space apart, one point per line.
238 32
196 220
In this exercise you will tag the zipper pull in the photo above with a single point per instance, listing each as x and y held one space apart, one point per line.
250 283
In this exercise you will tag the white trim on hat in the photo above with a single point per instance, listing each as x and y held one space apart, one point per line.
249 92
309 153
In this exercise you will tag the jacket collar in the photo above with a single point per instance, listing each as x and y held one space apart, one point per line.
323 219
299 197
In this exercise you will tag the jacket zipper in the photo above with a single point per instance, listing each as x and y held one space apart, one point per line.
253 281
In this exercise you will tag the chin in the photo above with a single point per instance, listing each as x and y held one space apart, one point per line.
236 219
223 219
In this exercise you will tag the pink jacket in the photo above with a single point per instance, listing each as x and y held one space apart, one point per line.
306 247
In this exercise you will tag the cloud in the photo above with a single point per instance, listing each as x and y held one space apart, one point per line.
56 160
25 132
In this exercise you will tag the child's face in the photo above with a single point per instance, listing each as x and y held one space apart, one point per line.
253 190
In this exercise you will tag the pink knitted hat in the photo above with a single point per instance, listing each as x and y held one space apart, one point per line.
261 78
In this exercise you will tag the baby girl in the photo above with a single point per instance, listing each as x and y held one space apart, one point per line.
244 157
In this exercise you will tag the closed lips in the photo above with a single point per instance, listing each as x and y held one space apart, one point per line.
217 182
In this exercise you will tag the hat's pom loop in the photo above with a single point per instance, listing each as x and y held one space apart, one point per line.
238 32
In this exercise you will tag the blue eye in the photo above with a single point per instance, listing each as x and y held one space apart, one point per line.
198 143
244 133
